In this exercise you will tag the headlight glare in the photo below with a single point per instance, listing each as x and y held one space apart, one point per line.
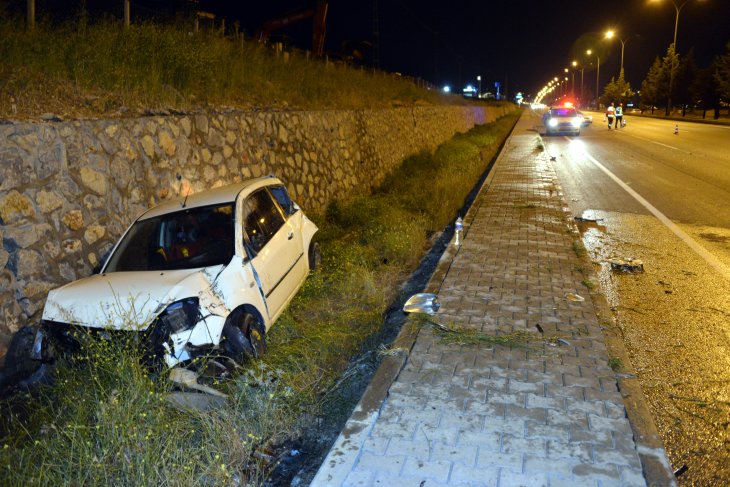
553 122
577 122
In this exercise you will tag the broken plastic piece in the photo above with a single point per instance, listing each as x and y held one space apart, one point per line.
189 379
422 303
574 297
626 265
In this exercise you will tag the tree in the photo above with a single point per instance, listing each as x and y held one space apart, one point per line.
655 86
670 63
722 74
617 90
705 91
683 79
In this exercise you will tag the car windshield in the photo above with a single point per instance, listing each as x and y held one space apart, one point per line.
187 239
563 112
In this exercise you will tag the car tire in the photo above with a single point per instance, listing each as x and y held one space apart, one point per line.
19 366
315 256
245 336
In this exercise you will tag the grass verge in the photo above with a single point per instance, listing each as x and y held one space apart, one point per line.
106 421
90 69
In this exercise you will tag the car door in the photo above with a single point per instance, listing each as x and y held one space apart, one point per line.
275 249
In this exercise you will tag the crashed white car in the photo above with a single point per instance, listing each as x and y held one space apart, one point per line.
200 275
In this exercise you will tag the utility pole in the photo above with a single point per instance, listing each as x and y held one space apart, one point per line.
126 13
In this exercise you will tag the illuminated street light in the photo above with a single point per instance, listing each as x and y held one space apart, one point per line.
447 89
678 9
479 78
610 35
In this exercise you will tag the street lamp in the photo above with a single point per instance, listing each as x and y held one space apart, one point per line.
479 78
610 35
677 8
598 72
582 67
572 75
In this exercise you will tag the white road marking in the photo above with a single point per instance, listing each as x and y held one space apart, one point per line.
653 142
691 243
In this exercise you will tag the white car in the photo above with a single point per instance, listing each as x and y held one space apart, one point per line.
204 274
561 120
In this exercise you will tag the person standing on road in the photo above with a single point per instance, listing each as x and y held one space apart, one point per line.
610 112
619 116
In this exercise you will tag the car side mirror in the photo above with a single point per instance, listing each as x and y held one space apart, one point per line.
425 303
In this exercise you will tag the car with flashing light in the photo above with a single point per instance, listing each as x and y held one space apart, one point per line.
587 119
562 120
205 274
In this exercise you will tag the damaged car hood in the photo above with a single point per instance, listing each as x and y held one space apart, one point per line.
136 298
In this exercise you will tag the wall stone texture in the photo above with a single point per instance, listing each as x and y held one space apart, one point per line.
68 190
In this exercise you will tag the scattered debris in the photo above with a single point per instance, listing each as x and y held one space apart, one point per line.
626 265
556 341
539 328
422 303
591 220
189 378
574 297
681 470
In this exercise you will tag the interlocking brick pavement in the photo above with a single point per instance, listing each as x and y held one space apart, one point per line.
549 413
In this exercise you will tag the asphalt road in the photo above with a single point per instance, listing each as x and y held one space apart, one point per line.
664 199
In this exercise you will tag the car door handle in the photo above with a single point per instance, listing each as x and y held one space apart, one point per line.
291 236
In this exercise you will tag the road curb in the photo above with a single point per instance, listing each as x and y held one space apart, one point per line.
655 465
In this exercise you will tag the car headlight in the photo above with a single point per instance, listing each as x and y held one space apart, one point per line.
553 122
181 315
577 122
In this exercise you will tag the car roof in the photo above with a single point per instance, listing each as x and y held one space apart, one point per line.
208 197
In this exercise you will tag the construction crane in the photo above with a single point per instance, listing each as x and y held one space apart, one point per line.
319 14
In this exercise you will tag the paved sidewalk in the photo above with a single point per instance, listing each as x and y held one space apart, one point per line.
550 414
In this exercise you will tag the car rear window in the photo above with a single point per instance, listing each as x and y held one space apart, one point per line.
563 112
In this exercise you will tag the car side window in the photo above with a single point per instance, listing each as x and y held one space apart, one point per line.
261 220
281 195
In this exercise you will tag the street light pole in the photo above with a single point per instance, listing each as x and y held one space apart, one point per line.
598 72
677 8
479 78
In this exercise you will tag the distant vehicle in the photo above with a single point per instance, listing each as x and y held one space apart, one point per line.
562 120
470 92
587 119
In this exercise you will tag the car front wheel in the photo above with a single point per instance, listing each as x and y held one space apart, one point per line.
245 336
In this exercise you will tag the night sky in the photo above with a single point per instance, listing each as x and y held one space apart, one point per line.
522 43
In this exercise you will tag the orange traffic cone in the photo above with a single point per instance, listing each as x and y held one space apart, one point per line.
676 130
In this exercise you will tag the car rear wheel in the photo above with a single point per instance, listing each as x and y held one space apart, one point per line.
245 336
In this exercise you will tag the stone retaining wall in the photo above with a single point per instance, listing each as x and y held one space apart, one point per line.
69 189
